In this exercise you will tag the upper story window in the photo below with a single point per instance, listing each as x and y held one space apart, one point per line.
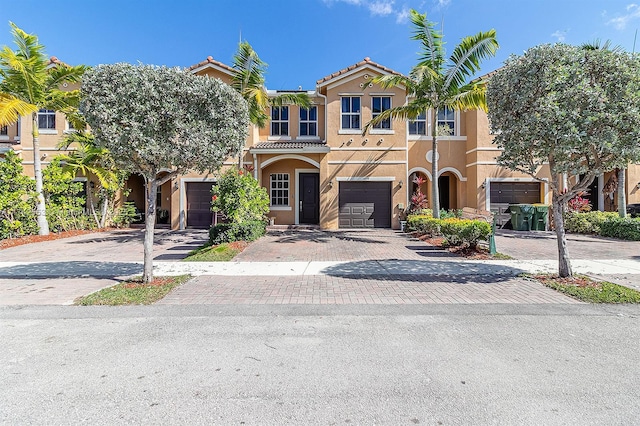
350 112
280 121
378 105
446 117
4 131
279 189
47 119
419 125
309 121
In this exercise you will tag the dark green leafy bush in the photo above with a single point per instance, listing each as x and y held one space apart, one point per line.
623 228
234 231
126 215
17 202
586 222
464 232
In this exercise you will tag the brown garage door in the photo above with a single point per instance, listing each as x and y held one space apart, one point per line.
365 205
199 214
505 193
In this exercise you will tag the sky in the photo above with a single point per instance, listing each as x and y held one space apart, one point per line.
304 40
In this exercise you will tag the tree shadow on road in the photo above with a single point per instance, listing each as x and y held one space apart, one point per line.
424 271
71 269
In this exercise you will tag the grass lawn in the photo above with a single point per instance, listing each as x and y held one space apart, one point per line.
133 292
588 290
220 253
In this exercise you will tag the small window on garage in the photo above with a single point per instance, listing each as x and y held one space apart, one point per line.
279 189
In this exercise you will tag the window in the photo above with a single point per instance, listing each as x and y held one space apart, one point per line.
419 125
378 105
46 119
280 189
350 115
4 131
309 121
280 121
446 117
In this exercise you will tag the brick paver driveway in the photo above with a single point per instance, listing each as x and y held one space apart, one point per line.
352 282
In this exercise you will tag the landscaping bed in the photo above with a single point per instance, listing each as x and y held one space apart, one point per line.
588 290
28 239
133 292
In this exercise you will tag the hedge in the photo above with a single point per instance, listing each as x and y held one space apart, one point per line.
230 232
457 232
606 224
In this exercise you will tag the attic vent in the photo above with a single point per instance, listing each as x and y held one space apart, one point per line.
361 84
366 76
370 84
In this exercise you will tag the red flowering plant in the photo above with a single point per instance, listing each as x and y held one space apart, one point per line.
418 199
579 204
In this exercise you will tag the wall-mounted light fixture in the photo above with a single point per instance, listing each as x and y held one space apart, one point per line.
638 185
484 185
400 184
92 184
175 185
330 184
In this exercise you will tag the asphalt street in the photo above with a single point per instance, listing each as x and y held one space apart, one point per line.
325 365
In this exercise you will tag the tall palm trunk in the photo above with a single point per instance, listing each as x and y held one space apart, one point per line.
622 195
41 211
105 210
435 196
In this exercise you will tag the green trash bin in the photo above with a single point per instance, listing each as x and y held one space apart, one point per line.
521 216
540 217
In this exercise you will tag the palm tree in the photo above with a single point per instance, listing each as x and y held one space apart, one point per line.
436 83
28 84
248 80
89 160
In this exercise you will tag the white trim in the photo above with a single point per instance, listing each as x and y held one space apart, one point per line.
350 94
297 190
309 138
382 132
280 208
368 149
289 157
279 138
367 162
366 179
382 94
454 171
182 220
215 67
600 193
483 148
4 137
47 132
483 163
235 163
332 82
27 148
421 170
349 131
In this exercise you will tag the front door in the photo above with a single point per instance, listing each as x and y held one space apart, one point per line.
309 195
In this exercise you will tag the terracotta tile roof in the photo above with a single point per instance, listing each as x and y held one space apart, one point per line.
365 61
56 61
289 145
210 60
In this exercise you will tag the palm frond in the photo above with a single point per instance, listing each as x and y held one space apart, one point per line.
61 74
432 53
12 108
403 112
392 80
469 97
598 44
300 99
466 57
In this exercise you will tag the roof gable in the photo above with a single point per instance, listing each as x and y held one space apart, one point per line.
345 72
212 64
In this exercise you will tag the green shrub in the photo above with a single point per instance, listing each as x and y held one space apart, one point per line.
464 232
234 231
17 199
622 228
424 224
446 214
126 215
240 197
586 222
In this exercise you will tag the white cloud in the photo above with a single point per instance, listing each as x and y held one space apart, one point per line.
620 22
381 8
559 35
377 7
443 3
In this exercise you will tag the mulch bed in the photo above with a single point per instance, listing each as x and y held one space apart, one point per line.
477 253
238 245
28 239
157 282
576 281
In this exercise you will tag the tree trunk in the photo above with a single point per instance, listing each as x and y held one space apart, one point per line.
564 265
622 195
435 194
41 210
92 207
151 187
105 210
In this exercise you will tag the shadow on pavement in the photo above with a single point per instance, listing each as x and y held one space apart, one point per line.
431 271
72 269
317 236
